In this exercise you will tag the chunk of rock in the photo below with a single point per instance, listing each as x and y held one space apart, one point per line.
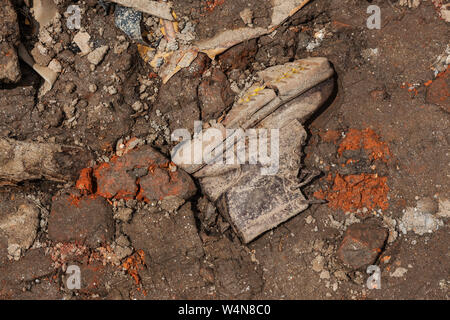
96 56
85 220
239 56
318 263
19 222
41 55
445 12
246 16
145 174
9 40
399 272
438 91
171 203
444 208
362 244
215 95
81 39
419 222
123 214
26 160
161 184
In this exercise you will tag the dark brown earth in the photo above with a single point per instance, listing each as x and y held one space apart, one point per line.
184 249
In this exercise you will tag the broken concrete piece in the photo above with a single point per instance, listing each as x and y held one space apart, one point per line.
81 39
40 54
257 197
20 161
427 205
155 8
96 56
399 272
19 221
9 40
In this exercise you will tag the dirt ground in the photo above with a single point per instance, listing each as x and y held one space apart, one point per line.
384 135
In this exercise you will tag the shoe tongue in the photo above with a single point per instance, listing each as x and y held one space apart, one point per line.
294 78
280 85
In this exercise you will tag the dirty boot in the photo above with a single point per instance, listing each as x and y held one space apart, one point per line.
257 192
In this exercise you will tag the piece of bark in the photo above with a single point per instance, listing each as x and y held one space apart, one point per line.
21 160
9 39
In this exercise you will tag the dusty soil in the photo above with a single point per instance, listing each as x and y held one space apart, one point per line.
381 143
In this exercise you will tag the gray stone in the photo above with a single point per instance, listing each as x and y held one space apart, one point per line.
28 160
